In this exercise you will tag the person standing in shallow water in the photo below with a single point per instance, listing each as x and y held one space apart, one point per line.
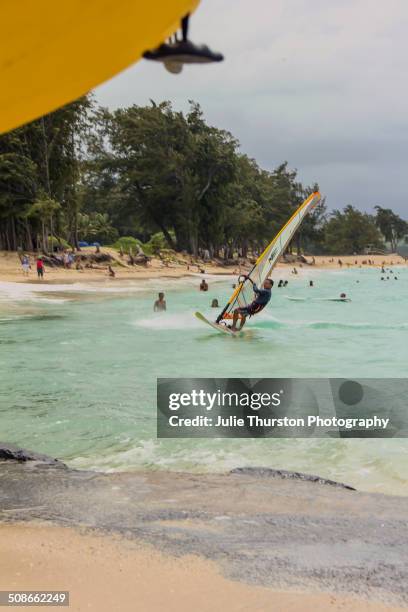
160 304
40 268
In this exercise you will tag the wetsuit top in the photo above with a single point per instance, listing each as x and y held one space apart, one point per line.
262 296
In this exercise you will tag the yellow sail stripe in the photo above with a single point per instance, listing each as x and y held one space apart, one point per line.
314 195
305 203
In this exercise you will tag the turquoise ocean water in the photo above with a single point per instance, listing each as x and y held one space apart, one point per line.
79 363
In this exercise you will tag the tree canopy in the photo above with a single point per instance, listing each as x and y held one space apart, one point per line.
87 173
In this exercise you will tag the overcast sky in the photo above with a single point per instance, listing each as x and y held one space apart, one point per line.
320 83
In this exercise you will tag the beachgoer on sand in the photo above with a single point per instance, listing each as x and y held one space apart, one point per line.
40 268
25 263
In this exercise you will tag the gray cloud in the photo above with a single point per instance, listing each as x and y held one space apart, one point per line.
320 84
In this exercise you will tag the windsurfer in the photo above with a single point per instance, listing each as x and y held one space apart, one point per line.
262 297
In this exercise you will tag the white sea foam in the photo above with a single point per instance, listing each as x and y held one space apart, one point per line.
30 291
161 321
368 465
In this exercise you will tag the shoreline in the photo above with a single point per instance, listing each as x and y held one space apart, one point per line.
269 540
10 269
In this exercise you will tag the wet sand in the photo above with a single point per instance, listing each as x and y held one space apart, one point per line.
254 539
105 573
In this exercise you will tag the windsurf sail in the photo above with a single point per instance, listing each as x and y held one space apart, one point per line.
244 294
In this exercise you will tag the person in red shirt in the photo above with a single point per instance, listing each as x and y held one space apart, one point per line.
40 268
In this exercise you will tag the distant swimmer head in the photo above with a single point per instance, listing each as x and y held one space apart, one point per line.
343 295
214 303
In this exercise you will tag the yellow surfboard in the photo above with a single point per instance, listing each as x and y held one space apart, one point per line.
54 51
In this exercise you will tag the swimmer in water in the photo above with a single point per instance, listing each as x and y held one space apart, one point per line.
160 304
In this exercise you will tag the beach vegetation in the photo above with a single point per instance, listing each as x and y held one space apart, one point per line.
392 227
151 178
128 244
350 231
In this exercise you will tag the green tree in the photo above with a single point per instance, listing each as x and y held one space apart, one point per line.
18 187
351 231
44 211
39 161
96 227
392 227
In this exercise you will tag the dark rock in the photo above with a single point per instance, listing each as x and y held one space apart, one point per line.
96 257
289 258
271 473
9 452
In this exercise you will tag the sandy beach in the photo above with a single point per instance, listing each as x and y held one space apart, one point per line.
106 573
270 542
11 271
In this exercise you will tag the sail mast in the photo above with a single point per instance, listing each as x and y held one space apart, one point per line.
268 259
